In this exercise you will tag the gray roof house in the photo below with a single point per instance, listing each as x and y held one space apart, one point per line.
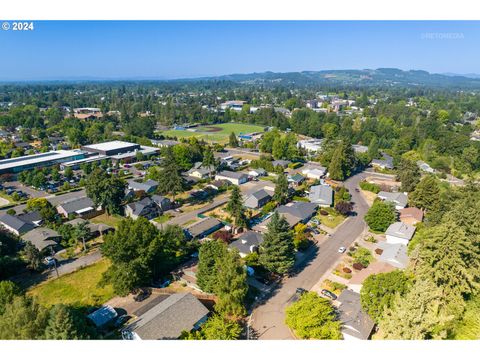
385 163
321 195
294 213
282 163
356 324
425 167
168 319
398 198
146 208
399 233
257 200
15 225
394 254
42 238
162 202
148 186
203 227
95 229
80 206
236 178
296 179
247 243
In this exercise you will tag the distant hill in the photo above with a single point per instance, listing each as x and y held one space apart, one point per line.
368 77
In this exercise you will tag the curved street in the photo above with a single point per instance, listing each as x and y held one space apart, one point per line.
268 318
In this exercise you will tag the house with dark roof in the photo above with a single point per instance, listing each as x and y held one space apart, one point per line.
168 319
247 243
95 229
82 206
321 195
42 238
282 163
296 179
15 225
148 186
145 207
355 322
257 199
201 172
203 228
294 213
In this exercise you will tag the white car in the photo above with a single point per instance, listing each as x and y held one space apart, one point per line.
341 250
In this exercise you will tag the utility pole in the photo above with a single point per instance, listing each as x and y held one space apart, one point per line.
54 261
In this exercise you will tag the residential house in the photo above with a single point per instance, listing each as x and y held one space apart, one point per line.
294 213
283 163
201 172
203 228
399 233
394 254
168 319
16 225
162 202
236 178
145 207
42 238
95 229
411 215
399 199
425 167
217 184
295 180
164 143
257 200
360 149
247 243
385 163
355 322
314 173
148 186
321 195
257 173
83 207
311 145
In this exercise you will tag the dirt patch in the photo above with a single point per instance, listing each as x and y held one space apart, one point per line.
211 129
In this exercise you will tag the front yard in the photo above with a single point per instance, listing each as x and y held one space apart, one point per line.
111 220
331 218
78 288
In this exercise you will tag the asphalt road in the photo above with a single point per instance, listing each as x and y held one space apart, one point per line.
268 318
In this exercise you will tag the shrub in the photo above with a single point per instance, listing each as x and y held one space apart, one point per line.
364 185
323 212
362 256
358 266
223 235
378 251
346 270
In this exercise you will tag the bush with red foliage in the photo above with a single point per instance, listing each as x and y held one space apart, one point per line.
223 235
357 266
378 251
346 270
344 207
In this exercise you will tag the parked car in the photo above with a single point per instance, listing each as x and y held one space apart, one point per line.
49 261
121 320
142 294
329 294
342 249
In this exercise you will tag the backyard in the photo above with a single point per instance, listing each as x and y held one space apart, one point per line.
215 132
330 217
111 220
78 288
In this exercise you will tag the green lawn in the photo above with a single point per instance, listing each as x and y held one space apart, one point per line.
163 218
204 132
78 288
112 220
332 220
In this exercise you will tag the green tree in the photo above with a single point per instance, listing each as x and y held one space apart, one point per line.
281 189
408 174
313 317
208 254
68 173
232 140
217 327
235 208
378 292
277 250
61 324
23 319
418 315
426 194
231 284
44 207
380 216
81 232
33 257
8 291
300 240
373 148
208 158
105 190
169 179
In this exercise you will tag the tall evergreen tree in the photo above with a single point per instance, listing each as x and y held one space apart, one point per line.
208 158
208 254
235 208
231 284
281 189
61 324
426 193
232 140
373 148
408 174
277 250
169 179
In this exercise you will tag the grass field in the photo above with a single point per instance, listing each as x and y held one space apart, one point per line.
332 220
163 218
78 288
216 132
112 220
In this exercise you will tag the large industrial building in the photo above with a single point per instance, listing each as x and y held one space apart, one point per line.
18 164
119 150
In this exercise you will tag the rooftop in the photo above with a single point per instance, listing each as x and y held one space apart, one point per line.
36 158
355 322
110 145
401 230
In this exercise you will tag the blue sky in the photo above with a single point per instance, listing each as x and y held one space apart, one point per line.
159 49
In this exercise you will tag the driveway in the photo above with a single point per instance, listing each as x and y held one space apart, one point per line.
268 318
68 266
